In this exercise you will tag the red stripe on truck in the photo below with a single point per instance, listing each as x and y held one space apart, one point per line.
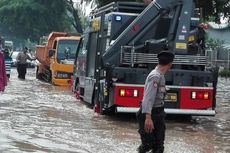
128 101
187 102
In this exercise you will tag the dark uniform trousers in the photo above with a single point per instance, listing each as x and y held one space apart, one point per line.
21 68
152 141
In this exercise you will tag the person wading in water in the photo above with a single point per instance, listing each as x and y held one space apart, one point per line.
22 63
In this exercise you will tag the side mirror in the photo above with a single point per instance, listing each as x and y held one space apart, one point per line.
51 52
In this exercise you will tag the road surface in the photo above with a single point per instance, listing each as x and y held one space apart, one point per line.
38 117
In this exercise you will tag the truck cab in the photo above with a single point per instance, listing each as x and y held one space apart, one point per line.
56 58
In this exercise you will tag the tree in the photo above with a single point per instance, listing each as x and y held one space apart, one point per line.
31 19
214 8
211 8
73 16
104 2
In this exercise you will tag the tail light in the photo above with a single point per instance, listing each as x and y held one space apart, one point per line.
128 93
200 95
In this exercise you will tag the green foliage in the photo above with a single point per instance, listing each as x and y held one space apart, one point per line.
225 73
73 15
104 2
214 43
211 8
31 19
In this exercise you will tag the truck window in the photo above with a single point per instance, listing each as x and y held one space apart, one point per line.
55 44
91 55
66 49
82 53
80 62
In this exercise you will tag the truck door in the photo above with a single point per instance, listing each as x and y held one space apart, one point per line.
52 60
90 71
80 63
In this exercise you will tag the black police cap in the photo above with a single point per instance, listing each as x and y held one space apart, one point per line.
165 58
6 50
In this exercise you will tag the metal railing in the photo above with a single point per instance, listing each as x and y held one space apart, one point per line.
130 7
130 57
220 57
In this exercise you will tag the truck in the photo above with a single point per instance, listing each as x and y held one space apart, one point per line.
120 47
9 45
56 58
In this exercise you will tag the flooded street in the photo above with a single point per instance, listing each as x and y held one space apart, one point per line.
38 117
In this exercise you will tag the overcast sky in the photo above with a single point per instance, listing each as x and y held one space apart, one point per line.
85 8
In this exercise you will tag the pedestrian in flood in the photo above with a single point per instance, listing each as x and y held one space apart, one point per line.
151 116
8 62
22 63
3 78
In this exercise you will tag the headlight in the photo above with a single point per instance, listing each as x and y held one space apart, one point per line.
62 75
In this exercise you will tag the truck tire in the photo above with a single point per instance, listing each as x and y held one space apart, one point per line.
38 76
50 77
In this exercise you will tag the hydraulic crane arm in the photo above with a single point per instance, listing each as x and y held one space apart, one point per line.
149 16
147 19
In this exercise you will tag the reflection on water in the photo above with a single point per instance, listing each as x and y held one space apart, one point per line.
38 117
206 134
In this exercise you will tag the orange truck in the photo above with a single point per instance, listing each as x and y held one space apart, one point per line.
56 58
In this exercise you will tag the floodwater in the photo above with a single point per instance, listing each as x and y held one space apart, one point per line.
38 117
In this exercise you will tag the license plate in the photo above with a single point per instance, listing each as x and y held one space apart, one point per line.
171 97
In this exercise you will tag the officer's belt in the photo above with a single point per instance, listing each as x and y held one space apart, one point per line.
157 109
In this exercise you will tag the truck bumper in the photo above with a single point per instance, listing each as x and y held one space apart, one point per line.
61 82
193 112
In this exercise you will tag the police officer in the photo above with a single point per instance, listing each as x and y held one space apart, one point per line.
151 114
22 63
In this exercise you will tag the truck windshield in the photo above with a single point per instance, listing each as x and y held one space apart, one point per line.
66 49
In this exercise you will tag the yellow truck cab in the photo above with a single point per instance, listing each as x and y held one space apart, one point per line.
56 58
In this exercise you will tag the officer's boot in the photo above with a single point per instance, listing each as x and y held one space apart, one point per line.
143 148
158 150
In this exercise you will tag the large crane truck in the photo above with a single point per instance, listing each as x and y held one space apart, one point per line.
120 48
56 58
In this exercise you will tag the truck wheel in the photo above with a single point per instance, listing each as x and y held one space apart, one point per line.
49 77
38 76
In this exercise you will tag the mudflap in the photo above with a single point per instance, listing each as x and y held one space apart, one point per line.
100 102
99 108
98 99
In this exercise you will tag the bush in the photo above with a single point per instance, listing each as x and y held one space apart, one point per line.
225 73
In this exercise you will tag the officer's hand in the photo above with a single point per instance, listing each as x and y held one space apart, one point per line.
149 127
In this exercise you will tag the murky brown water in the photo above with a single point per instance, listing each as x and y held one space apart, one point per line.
38 117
